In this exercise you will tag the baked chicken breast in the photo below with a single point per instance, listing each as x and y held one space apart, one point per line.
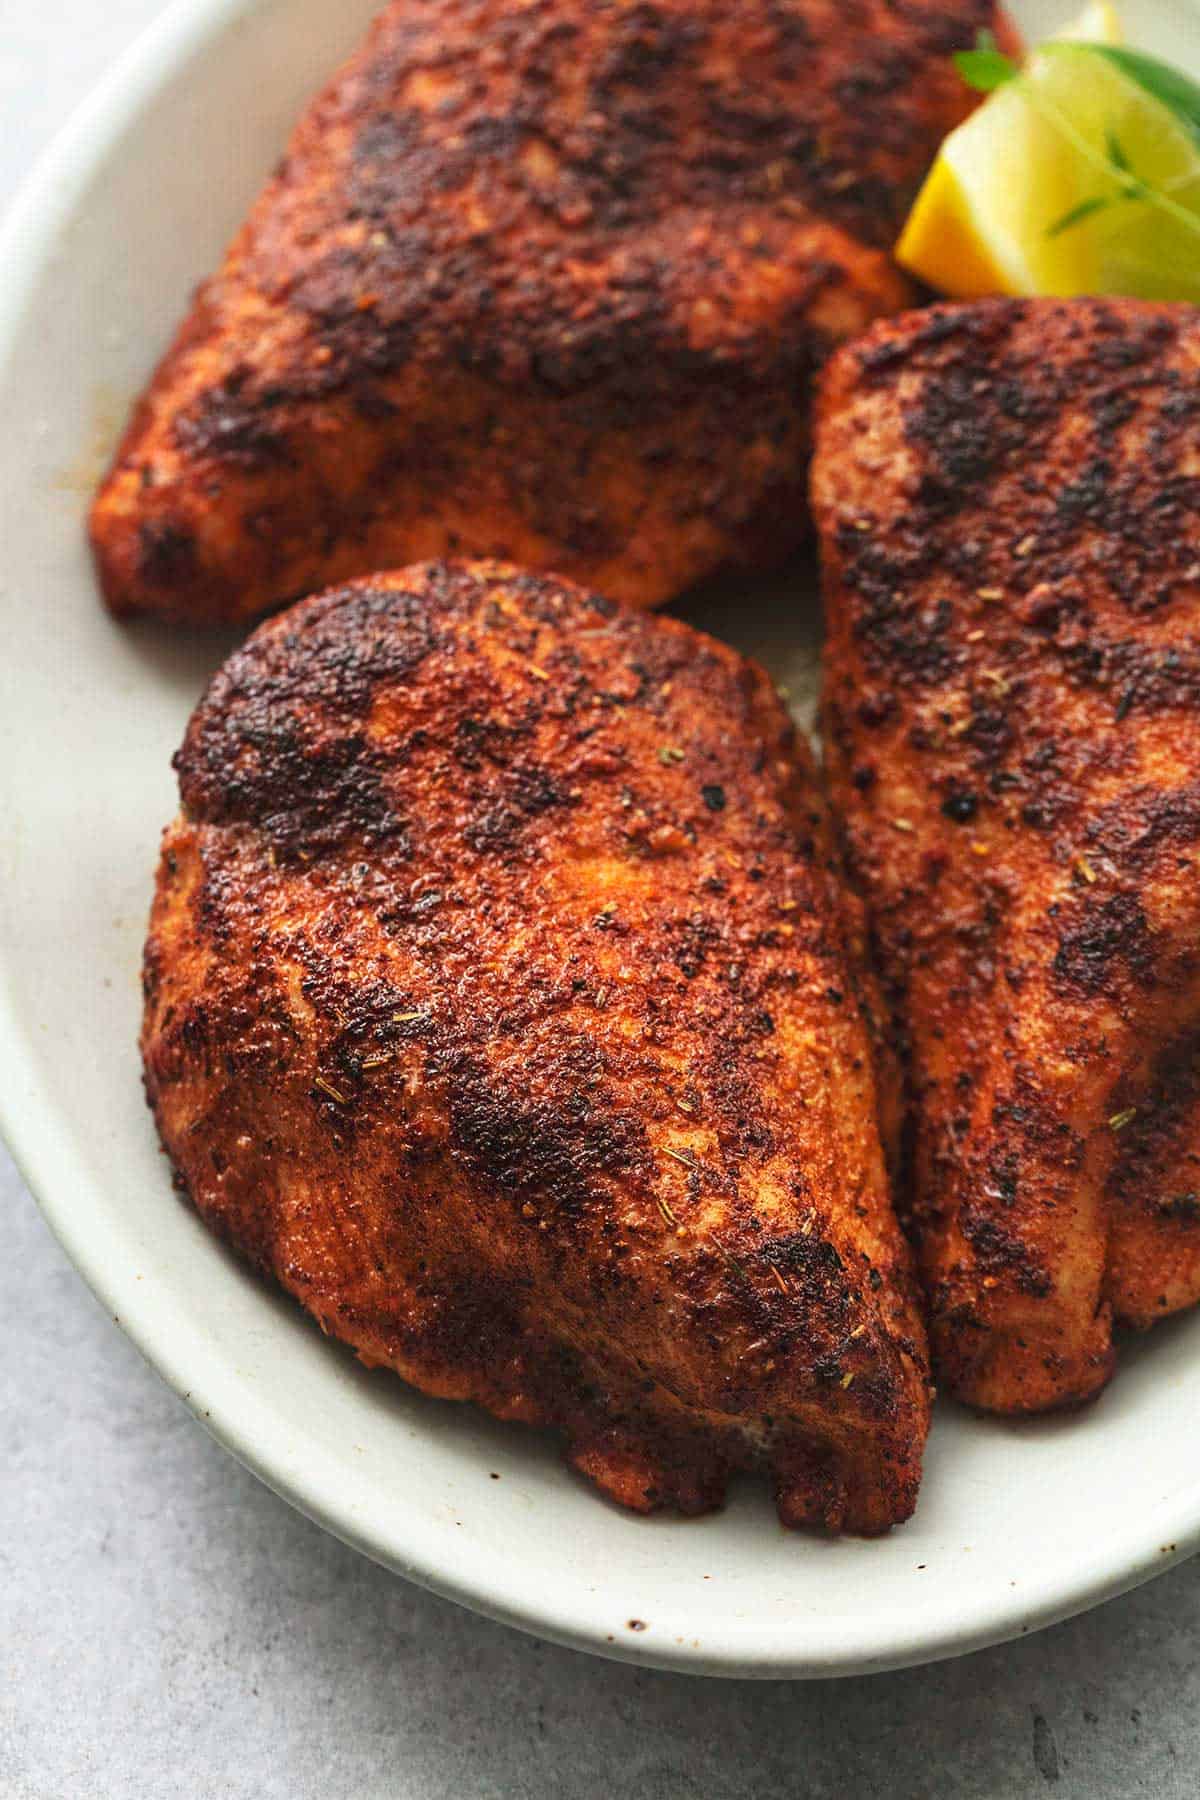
1008 497
498 1004
544 279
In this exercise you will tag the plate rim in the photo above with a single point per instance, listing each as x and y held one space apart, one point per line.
228 1409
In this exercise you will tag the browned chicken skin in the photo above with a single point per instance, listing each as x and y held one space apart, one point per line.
542 280
1008 497
497 1002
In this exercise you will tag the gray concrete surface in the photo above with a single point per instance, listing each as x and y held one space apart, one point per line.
168 1627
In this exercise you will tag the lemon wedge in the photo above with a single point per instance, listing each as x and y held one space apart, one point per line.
1042 190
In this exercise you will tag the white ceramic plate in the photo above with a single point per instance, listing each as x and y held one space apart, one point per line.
1017 1525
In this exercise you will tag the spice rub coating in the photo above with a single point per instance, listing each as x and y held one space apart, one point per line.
545 281
497 1002
1008 497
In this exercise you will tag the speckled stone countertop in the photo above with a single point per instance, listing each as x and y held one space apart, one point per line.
168 1627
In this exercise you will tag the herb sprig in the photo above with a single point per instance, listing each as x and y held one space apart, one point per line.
986 68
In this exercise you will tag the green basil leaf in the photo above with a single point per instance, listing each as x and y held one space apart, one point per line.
985 69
